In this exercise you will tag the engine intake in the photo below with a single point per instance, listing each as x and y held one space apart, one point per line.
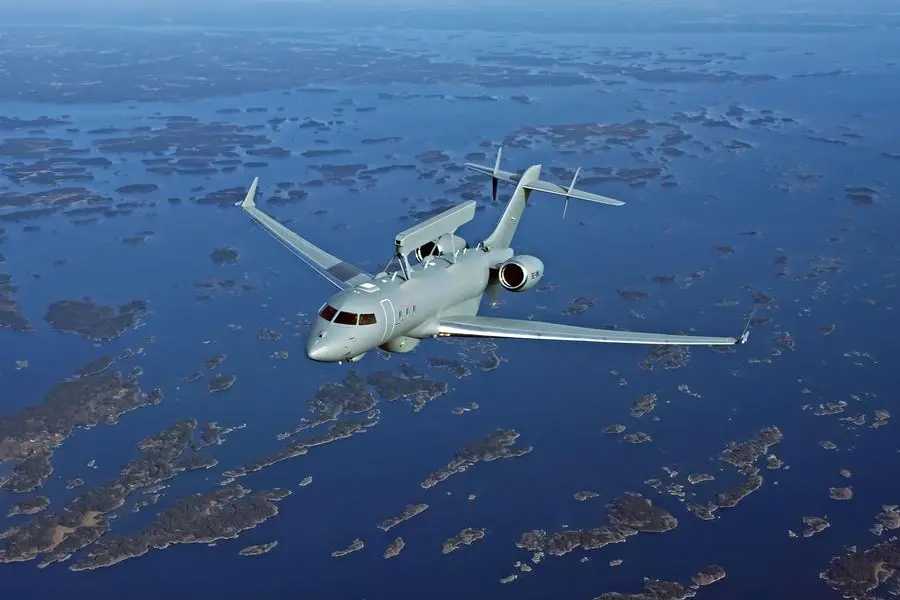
521 273
446 244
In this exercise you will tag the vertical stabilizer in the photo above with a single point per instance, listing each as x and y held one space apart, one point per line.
503 234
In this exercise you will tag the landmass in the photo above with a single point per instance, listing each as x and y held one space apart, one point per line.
224 256
95 322
643 405
743 456
638 437
582 496
495 446
614 429
220 382
409 512
30 435
709 575
305 481
10 309
466 537
888 518
858 573
814 525
29 507
394 548
840 493
628 515
355 546
655 589
199 519
258 549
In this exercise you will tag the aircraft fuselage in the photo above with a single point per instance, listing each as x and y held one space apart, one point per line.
394 312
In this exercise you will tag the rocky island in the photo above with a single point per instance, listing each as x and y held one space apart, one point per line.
464 538
95 322
495 446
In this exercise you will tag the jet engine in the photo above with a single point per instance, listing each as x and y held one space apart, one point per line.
446 244
521 273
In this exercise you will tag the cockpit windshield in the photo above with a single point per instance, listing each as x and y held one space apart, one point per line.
332 315
328 312
346 318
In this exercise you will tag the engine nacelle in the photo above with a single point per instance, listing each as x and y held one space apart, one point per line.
521 273
400 345
446 244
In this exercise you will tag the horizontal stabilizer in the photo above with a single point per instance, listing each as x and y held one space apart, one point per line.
552 188
540 185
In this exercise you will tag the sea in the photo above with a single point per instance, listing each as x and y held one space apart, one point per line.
558 396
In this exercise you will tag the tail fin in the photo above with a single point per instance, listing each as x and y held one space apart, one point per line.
506 228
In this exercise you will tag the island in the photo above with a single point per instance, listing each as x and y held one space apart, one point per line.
639 437
858 573
29 507
643 405
95 322
394 548
355 546
466 537
222 514
709 575
305 481
628 515
220 383
840 493
495 446
31 434
258 549
224 256
614 429
814 525
408 513
582 496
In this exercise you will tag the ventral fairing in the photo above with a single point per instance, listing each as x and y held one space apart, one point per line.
439 292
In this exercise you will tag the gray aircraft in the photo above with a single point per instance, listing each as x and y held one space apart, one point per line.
440 293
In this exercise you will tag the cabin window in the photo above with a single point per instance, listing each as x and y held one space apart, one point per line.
367 319
346 318
407 311
414 309
328 312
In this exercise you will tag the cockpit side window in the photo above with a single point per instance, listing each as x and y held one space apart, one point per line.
346 318
328 312
367 319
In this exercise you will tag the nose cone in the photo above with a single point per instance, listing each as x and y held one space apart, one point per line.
322 348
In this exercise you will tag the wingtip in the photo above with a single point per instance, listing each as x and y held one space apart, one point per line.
249 200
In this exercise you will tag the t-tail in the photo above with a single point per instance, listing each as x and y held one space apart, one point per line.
526 183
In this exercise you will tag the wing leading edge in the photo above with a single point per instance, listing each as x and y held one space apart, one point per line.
522 329
340 273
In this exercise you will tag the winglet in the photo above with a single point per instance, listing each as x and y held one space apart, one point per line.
494 178
745 335
249 199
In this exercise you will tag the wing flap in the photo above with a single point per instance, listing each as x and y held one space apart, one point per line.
340 273
538 330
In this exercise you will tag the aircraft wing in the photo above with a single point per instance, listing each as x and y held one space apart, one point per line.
523 329
340 273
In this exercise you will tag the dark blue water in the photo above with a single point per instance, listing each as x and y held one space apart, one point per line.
558 396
